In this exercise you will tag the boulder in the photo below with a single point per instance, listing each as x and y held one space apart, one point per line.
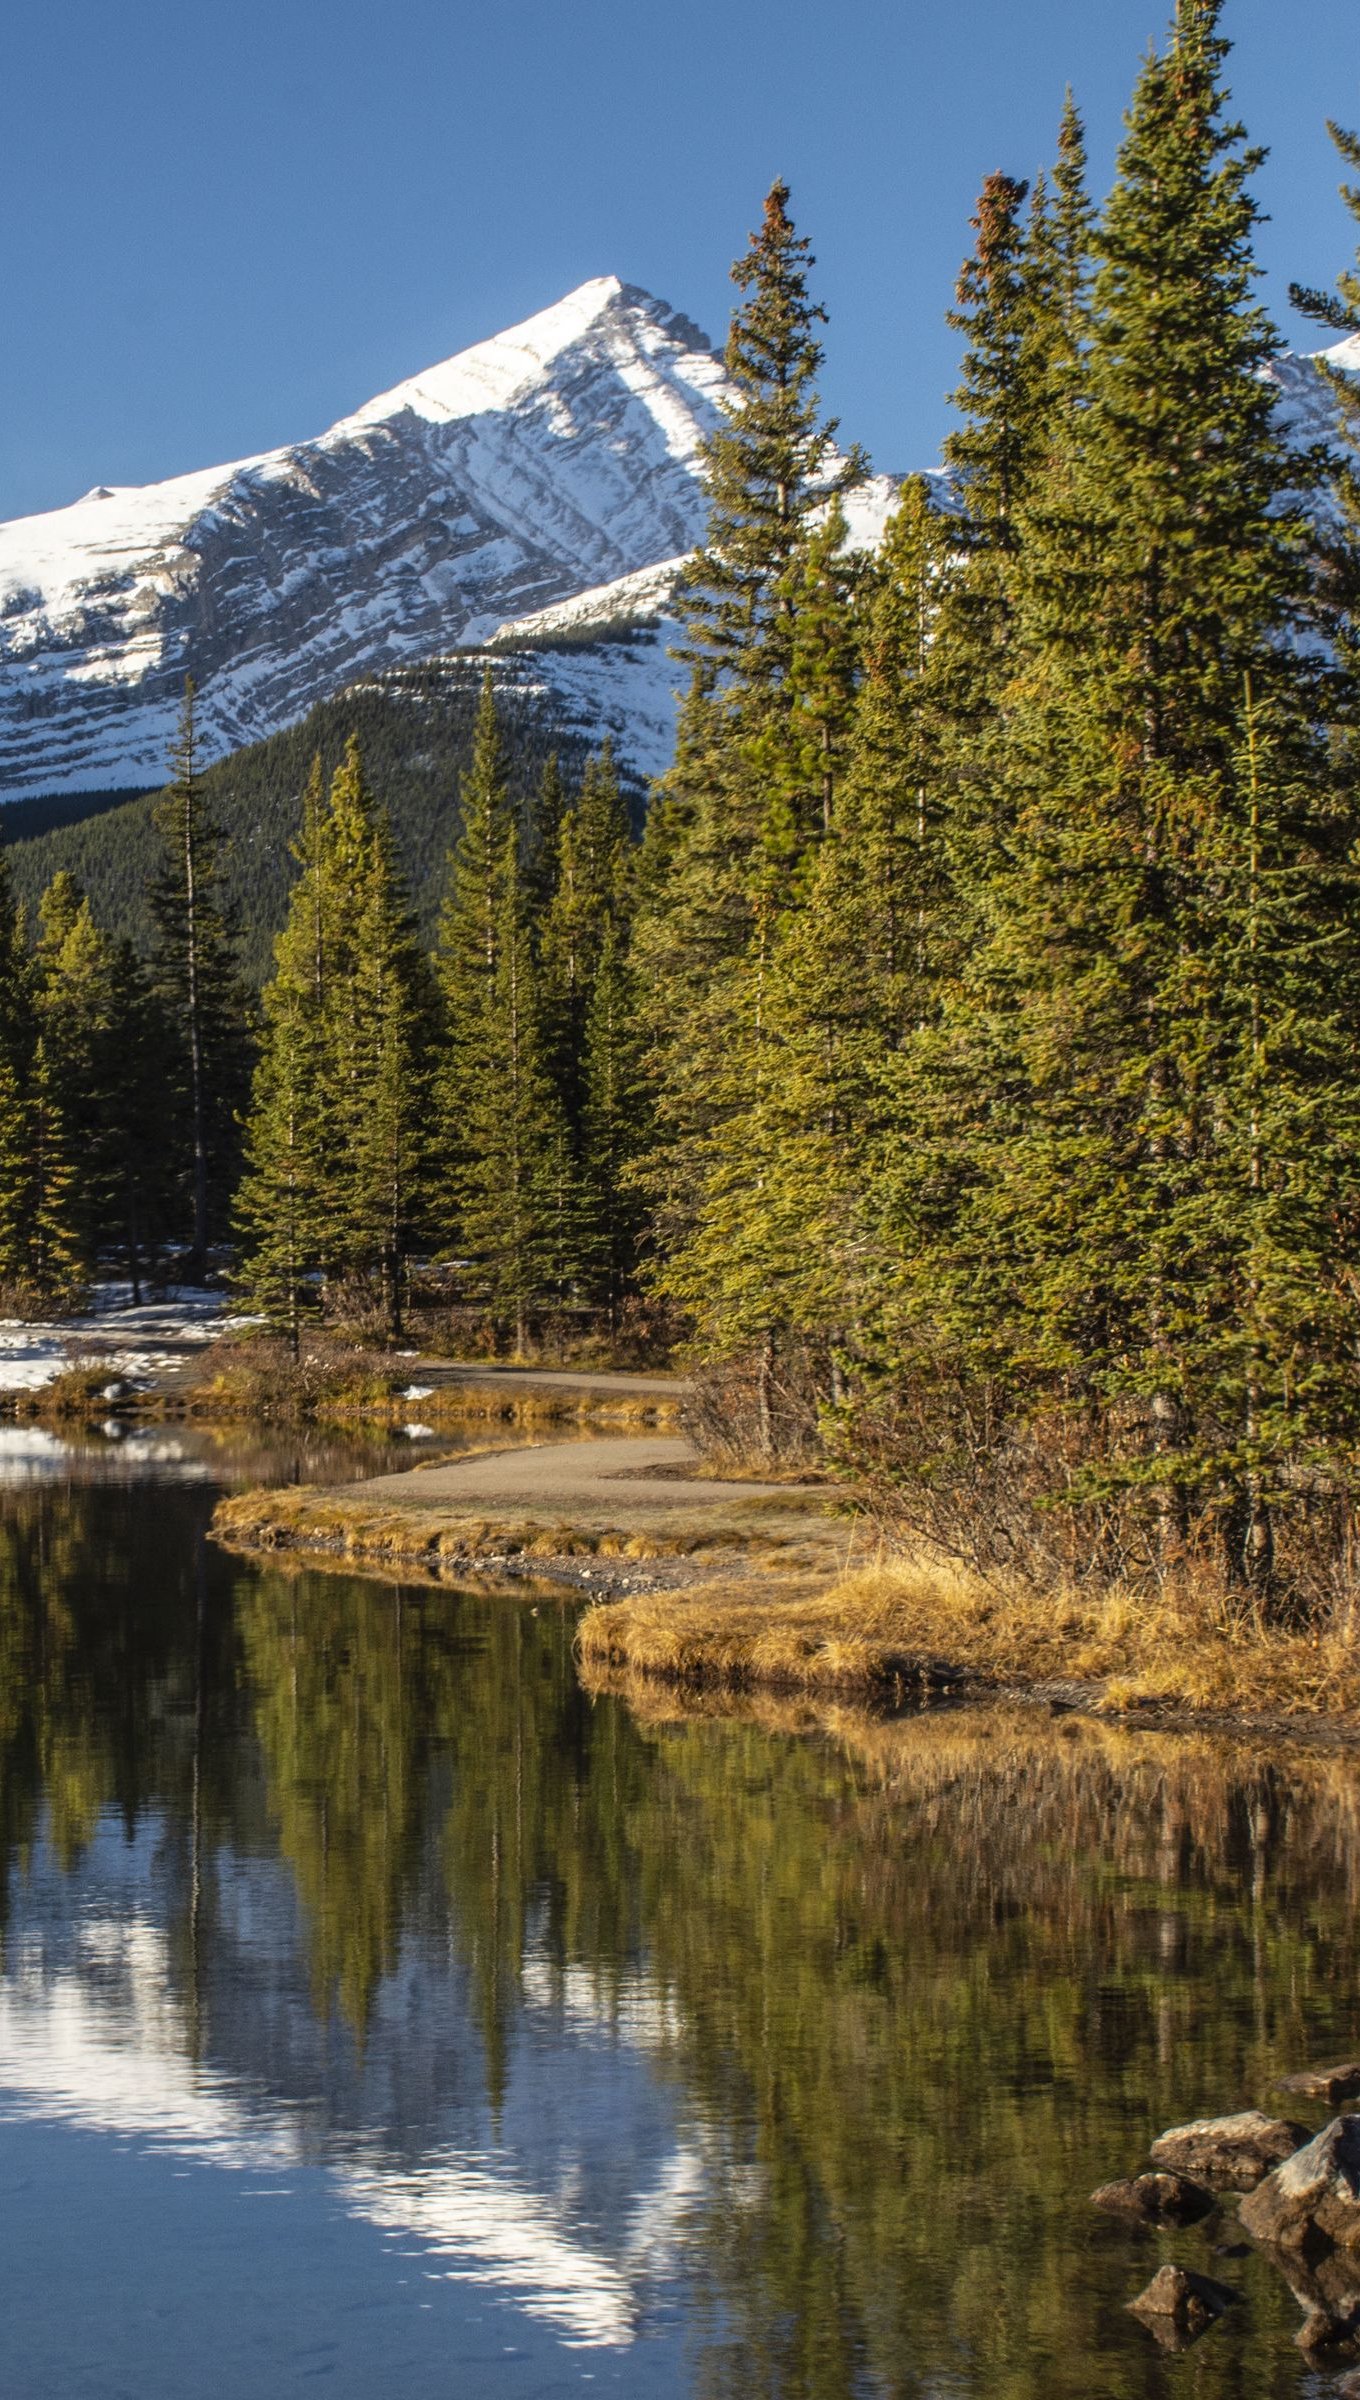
1156 2199
1321 2331
1324 2083
1229 2153
1178 2306
1312 2201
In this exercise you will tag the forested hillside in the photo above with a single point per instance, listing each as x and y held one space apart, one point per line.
415 729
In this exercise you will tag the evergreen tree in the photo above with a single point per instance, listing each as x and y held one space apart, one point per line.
543 836
335 1139
518 1207
386 1132
200 991
467 955
15 1180
106 1051
591 900
765 634
1162 1005
58 1254
612 1126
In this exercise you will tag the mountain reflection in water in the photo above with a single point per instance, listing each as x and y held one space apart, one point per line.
735 2054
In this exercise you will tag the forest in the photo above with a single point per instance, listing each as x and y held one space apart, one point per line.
963 1068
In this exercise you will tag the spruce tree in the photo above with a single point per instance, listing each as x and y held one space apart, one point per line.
200 991
591 900
1161 1005
467 954
85 1034
336 1137
613 1127
385 1128
58 1253
763 614
16 1195
517 1199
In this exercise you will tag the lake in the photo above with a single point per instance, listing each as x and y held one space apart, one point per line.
380 2012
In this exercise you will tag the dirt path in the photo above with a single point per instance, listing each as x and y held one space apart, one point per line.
618 1479
440 1371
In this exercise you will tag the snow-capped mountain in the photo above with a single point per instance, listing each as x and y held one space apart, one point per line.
533 468
535 495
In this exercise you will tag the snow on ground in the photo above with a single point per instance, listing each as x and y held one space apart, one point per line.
135 1343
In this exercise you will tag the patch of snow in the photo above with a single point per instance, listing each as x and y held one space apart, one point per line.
135 1343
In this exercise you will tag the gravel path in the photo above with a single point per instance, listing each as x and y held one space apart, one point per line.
439 1371
621 1476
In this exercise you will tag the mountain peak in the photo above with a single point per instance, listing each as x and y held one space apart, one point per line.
553 458
493 372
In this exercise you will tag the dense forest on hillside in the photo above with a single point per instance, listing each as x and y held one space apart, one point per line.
968 1056
415 728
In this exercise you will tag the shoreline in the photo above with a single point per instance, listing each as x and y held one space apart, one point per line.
722 1590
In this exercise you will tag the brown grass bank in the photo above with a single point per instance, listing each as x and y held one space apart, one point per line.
332 1383
1186 1649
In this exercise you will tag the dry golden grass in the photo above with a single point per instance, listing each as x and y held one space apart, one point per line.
905 1622
765 1611
306 1520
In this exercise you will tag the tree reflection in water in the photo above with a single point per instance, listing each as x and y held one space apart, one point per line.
903 1992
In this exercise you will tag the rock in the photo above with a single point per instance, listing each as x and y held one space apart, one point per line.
1178 2307
1231 2153
1324 2083
1320 2330
1156 2199
1312 2201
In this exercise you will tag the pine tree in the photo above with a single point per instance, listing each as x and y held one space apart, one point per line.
543 836
467 955
200 990
1161 1006
517 1212
848 975
16 1196
613 1126
591 900
764 613
336 1136
276 1203
58 1256
386 1133
84 1032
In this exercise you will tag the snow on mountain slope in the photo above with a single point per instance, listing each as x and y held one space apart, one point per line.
537 494
557 457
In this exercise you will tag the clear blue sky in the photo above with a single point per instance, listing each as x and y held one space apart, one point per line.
227 223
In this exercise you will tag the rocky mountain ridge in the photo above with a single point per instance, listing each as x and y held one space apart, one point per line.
558 457
534 497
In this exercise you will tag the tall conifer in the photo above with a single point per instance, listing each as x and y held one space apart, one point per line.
198 981
1167 966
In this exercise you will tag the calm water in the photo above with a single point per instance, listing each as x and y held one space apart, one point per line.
380 2013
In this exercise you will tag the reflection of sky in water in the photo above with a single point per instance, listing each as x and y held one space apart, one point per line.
122 1451
31 1454
570 2205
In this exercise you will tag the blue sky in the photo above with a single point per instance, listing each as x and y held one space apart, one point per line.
229 222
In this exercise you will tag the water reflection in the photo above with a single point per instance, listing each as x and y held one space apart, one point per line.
791 2051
